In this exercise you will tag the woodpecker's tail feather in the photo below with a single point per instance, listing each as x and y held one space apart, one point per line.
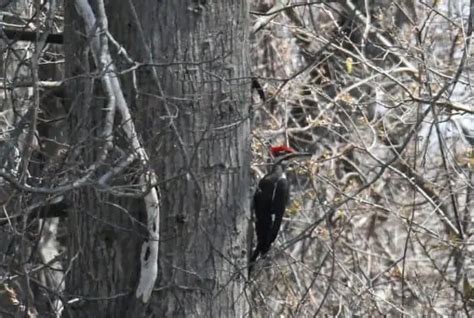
252 261
259 251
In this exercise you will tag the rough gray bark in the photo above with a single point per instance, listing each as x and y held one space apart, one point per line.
190 106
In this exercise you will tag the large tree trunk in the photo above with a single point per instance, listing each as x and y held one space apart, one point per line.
191 111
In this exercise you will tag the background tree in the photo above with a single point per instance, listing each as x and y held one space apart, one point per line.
379 91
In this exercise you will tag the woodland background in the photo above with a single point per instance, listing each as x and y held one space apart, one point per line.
131 141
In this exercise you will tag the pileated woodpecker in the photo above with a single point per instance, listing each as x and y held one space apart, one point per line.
270 200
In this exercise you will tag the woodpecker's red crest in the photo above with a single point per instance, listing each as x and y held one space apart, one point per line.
281 150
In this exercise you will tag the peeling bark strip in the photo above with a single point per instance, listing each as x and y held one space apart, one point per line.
149 253
112 87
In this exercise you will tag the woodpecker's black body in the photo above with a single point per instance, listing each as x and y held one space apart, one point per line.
269 203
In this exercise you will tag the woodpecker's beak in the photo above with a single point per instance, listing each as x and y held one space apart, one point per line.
293 155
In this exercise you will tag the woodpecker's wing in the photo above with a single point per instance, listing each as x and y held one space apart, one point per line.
263 222
280 200
270 202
